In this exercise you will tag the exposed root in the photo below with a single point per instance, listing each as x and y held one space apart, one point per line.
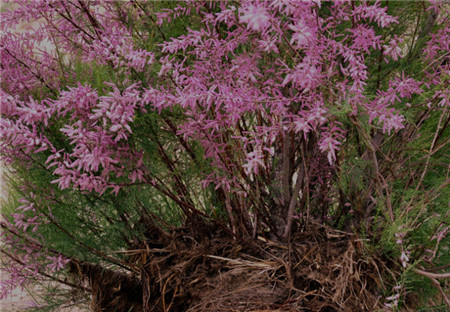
110 290
319 271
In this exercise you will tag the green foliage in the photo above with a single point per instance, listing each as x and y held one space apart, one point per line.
414 163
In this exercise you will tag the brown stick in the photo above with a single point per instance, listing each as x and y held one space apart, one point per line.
434 277
292 204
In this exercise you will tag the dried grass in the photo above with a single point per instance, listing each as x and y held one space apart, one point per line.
320 270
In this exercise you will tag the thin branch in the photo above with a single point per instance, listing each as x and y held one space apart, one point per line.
427 163
434 278
3 251
432 275
293 203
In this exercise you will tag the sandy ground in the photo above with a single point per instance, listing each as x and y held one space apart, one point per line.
22 300
19 300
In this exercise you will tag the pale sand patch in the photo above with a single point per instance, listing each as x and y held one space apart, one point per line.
23 299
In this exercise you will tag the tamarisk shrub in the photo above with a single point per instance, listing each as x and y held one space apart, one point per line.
258 116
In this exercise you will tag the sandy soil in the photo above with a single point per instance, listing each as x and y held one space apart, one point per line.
19 300
22 299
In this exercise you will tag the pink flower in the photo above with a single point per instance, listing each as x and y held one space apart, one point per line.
393 49
255 16
405 86
364 37
58 263
404 259
302 35
268 45
330 146
329 142
305 75
301 125
254 160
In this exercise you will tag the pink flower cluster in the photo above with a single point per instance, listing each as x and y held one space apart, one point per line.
248 80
